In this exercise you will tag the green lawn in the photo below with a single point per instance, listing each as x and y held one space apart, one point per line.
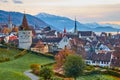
13 70
8 53
96 77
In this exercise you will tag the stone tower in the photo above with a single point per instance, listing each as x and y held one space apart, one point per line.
25 35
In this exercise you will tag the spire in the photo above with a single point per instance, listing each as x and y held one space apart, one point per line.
9 21
75 29
64 32
9 18
25 23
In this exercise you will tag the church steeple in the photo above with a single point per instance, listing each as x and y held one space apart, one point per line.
75 29
9 21
25 23
64 32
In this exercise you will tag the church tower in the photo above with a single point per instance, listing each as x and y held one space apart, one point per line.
25 35
75 28
65 32
9 22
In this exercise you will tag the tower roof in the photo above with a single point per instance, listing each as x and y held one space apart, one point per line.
25 23
64 30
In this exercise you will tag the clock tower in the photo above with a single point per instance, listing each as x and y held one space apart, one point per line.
25 35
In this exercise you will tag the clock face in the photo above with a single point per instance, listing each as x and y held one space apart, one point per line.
25 36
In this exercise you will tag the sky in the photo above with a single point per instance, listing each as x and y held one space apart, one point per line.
86 11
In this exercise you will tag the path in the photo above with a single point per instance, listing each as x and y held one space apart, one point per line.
30 75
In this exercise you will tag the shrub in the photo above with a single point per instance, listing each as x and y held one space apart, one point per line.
20 54
35 68
46 73
89 68
4 59
56 78
113 73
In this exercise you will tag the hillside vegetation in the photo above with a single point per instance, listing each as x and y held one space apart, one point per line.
13 70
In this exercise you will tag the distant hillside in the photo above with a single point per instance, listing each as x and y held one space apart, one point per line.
17 19
106 29
61 22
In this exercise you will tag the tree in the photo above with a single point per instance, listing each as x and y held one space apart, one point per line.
5 30
46 73
73 66
61 56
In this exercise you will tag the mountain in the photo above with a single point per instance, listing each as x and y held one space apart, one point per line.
61 22
105 29
113 25
17 19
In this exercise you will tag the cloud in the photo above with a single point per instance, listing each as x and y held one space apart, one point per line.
4 1
17 1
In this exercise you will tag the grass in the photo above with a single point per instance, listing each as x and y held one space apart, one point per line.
13 70
96 77
8 52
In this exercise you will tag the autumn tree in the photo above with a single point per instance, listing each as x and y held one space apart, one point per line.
61 56
15 29
74 66
5 30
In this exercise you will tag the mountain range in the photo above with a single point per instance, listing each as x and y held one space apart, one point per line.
61 22
55 22
17 17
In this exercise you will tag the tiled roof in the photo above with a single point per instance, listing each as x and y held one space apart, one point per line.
85 33
49 40
99 57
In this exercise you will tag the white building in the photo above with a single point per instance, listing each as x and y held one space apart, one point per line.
25 35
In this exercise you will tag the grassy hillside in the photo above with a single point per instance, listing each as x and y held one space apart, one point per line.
8 53
96 77
13 70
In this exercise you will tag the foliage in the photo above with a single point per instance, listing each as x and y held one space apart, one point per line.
4 59
96 77
5 30
2 42
74 66
46 73
89 68
20 65
113 73
35 68
15 29
61 56
6 54
20 54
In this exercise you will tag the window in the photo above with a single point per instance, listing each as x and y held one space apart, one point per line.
93 61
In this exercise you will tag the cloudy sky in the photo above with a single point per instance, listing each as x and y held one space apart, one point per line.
86 11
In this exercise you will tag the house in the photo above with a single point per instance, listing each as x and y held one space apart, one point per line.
77 45
64 42
39 46
100 48
86 34
99 59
